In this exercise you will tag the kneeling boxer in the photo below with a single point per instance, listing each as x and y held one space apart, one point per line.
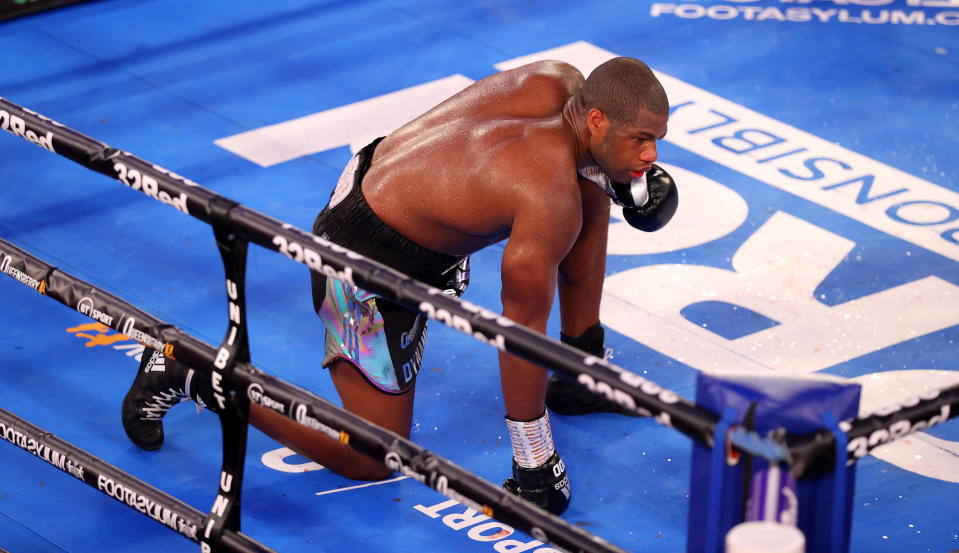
533 156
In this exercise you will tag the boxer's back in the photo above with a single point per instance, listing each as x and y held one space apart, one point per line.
451 179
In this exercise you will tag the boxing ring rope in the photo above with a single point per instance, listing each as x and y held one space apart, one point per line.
815 453
116 483
235 225
300 405
628 389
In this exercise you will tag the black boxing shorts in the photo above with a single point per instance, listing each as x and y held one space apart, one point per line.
382 339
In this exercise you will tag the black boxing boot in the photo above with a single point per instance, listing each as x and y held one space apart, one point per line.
545 486
566 397
569 398
160 384
539 476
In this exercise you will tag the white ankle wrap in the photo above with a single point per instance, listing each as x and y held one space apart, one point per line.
532 441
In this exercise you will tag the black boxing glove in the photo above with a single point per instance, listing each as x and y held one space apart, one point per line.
661 204
545 486
565 397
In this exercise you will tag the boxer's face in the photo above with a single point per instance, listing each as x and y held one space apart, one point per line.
625 149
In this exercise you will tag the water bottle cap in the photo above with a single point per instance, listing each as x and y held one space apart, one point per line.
765 537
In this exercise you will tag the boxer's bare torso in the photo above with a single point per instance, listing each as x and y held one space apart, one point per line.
460 177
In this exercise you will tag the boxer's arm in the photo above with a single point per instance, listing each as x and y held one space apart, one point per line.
544 228
541 237
582 271
581 275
